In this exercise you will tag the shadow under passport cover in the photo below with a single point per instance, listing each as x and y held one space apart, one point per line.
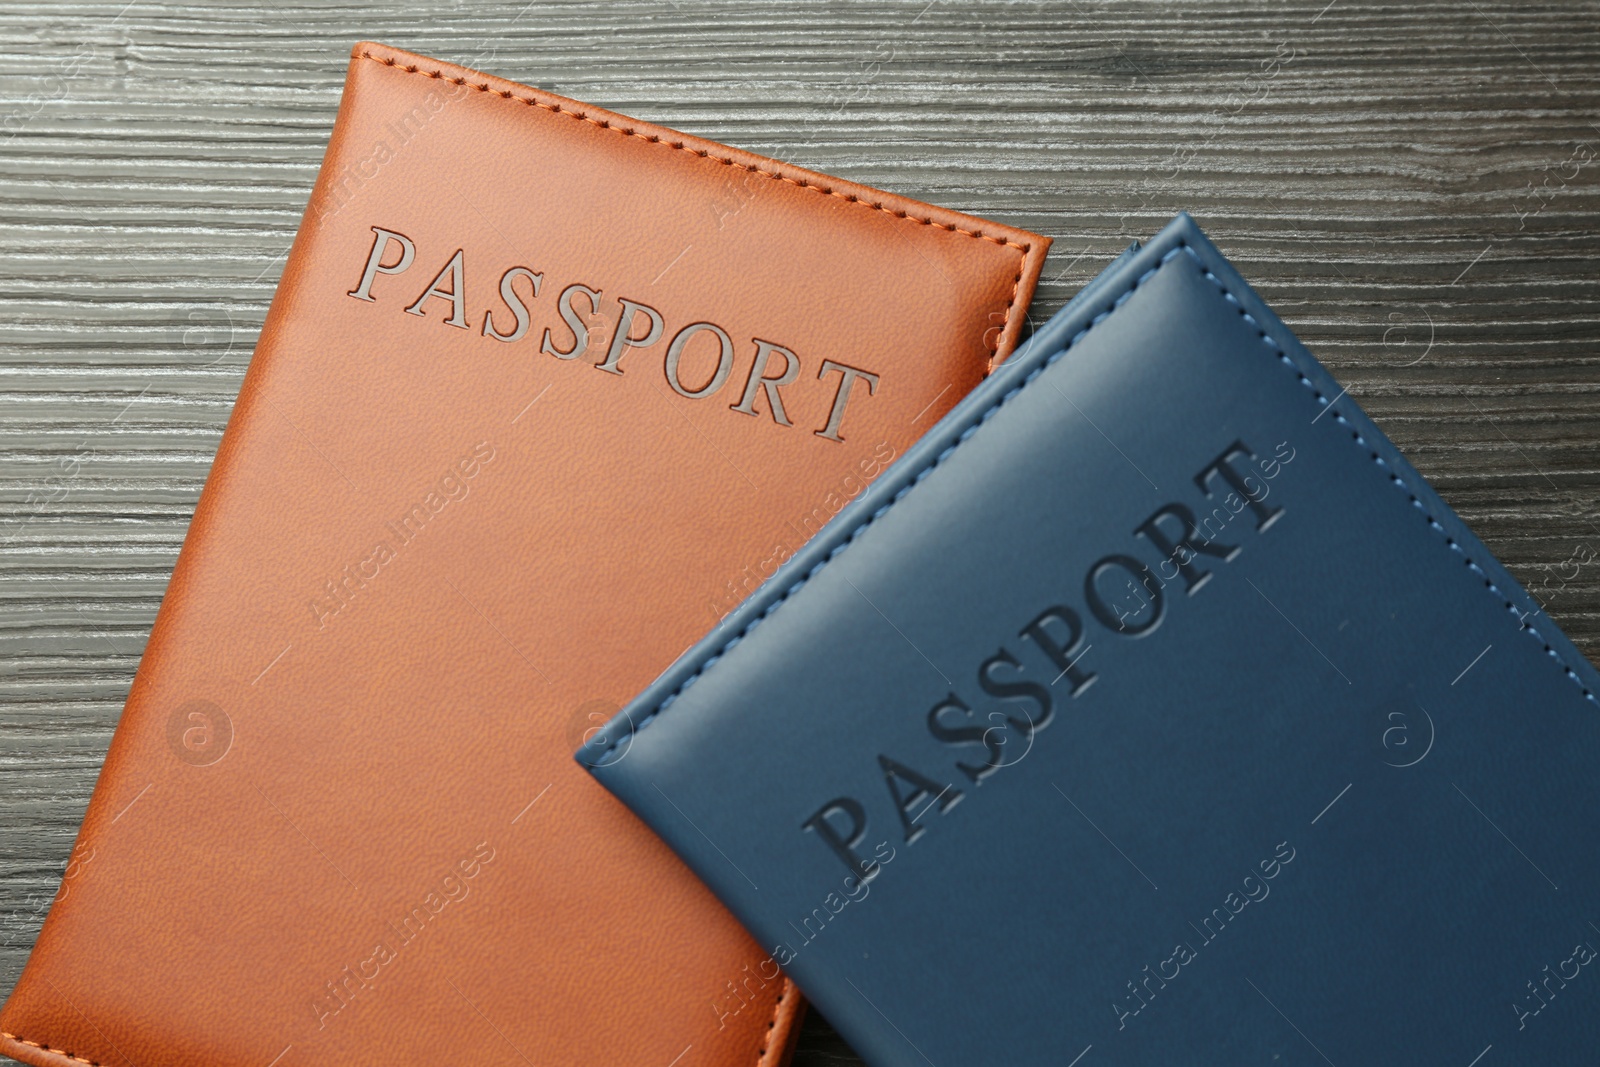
486 478
1151 710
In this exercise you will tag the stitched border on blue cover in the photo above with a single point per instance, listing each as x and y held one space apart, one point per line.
1283 357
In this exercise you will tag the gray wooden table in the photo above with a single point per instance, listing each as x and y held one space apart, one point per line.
1415 188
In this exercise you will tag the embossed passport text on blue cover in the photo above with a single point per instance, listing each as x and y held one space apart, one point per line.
1152 709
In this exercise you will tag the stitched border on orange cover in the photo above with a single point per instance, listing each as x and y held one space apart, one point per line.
788 1009
1032 251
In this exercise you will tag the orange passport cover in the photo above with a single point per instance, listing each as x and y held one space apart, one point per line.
543 393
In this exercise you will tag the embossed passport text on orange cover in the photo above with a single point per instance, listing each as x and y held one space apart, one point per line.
544 392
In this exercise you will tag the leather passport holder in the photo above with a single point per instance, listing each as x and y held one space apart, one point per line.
1151 709
544 392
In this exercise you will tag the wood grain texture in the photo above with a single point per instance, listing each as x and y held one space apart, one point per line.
1415 188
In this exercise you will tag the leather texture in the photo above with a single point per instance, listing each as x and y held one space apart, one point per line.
1151 709
339 822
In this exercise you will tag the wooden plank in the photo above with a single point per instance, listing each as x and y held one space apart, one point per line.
1413 187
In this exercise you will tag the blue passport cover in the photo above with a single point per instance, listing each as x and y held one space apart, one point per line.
1153 709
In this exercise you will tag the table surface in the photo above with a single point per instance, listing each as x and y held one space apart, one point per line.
1415 188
